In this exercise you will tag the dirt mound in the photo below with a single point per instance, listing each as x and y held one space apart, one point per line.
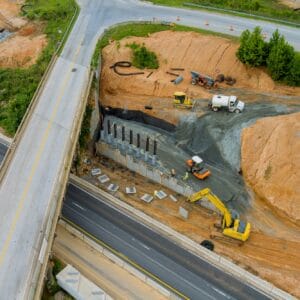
189 50
9 14
24 45
20 51
271 160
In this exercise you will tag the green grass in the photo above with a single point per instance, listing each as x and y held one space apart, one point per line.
17 86
264 8
142 30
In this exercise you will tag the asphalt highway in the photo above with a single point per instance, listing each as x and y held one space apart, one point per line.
28 191
182 270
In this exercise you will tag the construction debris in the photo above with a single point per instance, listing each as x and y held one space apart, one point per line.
124 64
130 190
113 187
178 80
171 73
160 194
177 69
103 178
96 172
147 198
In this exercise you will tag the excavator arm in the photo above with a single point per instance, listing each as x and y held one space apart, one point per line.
207 193
233 228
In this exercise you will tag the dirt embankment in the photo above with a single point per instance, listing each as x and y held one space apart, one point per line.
271 159
26 42
189 50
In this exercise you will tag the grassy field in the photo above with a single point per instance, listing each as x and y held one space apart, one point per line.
122 31
265 8
17 86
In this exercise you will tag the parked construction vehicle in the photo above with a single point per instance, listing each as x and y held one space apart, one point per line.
197 168
181 100
232 227
202 80
230 103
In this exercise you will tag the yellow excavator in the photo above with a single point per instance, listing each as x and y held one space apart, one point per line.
181 100
232 227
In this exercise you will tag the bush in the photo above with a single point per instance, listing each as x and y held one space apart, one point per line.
293 77
253 49
143 58
282 62
281 56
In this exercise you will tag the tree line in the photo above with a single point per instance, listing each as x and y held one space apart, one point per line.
280 58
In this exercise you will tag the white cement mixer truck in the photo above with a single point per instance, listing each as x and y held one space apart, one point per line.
230 103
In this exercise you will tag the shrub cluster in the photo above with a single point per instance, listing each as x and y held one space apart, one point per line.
280 58
143 58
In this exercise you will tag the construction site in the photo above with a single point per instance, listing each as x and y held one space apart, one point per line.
162 141
203 143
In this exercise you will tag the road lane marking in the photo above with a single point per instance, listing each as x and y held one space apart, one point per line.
79 206
36 162
124 257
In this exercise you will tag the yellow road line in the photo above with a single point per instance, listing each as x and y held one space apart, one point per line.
35 164
124 257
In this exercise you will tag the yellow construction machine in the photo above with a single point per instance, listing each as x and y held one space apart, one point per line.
181 100
232 227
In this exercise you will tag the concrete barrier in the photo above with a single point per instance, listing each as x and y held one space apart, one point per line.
145 277
219 262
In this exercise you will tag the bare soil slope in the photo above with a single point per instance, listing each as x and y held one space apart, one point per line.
189 50
22 48
271 161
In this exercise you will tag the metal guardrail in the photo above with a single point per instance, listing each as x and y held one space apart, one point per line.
241 13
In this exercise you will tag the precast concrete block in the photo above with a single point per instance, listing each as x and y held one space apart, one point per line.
113 258
135 272
157 175
158 287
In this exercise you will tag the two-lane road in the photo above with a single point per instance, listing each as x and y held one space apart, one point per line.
190 275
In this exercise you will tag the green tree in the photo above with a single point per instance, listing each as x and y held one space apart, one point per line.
293 77
253 49
281 56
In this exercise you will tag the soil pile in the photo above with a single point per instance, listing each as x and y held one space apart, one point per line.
271 161
9 14
22 48
189 50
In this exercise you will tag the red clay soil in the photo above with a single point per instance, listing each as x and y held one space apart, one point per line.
26 43
271 162
192 51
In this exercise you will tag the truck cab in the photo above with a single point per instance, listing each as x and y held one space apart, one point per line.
231 103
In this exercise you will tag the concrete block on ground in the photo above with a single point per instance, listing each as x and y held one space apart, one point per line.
147 198
135 272
103 178
173 198
96 171
158 287
113 257
113 187
161 195
183 212
130 190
